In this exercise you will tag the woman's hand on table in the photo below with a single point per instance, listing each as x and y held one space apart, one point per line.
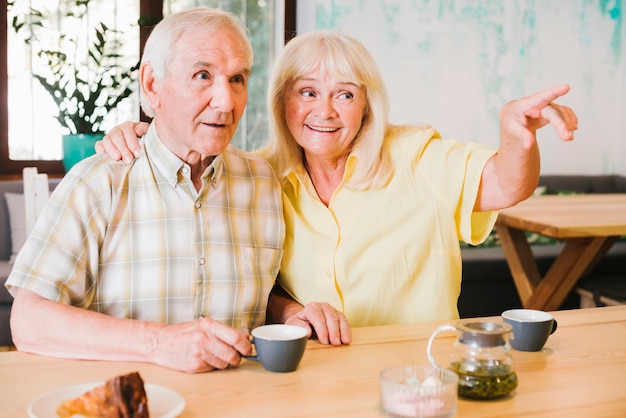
329 324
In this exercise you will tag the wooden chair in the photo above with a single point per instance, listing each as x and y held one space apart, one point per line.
36 195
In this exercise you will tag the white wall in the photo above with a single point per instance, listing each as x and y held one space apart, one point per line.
454 63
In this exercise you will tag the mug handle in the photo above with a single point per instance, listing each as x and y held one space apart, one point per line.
253 357
432 338
554 326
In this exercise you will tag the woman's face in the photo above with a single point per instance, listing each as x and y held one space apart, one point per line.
324 114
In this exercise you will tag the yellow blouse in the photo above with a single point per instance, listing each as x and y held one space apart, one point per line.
388 255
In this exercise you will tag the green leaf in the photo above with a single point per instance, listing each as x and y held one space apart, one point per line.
84 88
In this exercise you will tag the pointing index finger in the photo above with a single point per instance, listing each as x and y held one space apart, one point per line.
547 96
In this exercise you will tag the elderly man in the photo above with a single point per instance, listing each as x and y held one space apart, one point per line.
171 259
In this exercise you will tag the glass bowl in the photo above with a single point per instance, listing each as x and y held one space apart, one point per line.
418 391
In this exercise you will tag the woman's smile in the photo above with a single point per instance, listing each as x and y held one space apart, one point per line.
322 128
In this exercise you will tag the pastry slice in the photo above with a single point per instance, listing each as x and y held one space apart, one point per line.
120 397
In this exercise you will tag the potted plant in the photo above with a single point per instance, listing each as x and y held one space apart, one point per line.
86 76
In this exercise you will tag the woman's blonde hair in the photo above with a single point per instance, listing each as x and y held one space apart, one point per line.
346 58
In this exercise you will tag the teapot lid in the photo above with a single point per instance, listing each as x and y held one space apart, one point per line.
483 333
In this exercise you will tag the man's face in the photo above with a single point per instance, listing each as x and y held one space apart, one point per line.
203 95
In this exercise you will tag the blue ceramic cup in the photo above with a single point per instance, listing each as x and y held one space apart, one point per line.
531 328
279 347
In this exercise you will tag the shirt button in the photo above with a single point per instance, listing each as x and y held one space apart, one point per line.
213 180
202 261
185 170
198 205
173 180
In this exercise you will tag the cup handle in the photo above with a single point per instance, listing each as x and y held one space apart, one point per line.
254 357
554 326
432 338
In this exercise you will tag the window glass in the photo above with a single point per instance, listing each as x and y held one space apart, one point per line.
34 132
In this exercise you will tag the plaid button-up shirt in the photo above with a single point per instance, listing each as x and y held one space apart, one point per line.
140 242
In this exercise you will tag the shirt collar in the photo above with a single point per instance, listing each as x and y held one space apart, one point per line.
298 177
173 168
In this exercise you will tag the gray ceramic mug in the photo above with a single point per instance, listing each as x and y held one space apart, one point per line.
531 328
279 347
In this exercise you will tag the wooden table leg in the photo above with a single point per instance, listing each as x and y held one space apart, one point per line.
577 257
521 261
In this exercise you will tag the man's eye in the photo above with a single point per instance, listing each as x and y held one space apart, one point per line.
239 79
203 75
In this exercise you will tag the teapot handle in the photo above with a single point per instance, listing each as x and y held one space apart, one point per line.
432 338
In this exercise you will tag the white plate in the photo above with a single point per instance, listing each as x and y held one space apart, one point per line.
162 402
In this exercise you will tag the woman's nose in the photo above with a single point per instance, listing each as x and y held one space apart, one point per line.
326 108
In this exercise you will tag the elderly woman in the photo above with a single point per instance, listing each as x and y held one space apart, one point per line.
375 212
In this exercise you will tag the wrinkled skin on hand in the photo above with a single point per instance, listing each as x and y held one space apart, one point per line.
329 325
201 345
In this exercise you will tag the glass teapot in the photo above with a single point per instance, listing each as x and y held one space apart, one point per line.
481 357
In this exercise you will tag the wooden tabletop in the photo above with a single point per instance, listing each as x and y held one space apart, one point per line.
567 216
581 372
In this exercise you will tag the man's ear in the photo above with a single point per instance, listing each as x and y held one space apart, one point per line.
149 85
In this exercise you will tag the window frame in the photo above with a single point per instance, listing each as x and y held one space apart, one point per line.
150 11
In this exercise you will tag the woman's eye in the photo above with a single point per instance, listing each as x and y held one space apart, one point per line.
307 93
346 95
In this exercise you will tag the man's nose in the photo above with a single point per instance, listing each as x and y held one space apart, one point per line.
222 96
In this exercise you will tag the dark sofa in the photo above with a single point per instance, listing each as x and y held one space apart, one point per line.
488 287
